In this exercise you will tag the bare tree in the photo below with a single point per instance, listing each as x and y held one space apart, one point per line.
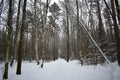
8 41
20 51
44 30
17 31
36 37
67 28
79 38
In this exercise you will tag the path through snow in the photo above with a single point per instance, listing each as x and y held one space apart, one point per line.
61 70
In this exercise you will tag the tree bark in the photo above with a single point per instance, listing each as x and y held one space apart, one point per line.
35 33
44 32
17 31
67 23
116 31
79 41
8 41
21 43
118 10
100 26
1 6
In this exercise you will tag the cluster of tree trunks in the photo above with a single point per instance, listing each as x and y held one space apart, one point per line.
38 35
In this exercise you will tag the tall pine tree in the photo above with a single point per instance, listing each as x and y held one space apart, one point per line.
8 41
20 51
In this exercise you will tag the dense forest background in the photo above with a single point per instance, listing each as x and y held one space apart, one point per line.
86 30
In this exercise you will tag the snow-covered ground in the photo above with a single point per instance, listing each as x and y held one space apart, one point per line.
62 70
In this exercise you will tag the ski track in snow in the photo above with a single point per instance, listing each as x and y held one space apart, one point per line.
61 70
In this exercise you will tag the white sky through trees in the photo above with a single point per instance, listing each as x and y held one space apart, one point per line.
52 1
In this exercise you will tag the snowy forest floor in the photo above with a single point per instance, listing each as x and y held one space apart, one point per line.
62 70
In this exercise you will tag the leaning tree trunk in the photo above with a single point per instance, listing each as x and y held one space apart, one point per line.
8 41
116 30
21 43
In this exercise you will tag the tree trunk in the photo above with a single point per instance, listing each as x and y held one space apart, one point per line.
8 41
36 48
67 41
116 30
118 10
17 31
1 6
100 26
36 38
44 32
79 41
21 43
